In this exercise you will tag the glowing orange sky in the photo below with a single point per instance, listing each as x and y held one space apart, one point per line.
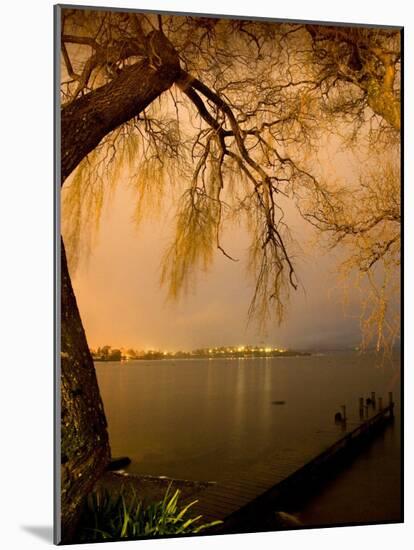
122 304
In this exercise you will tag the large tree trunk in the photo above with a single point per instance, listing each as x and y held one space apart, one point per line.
84 440
85 448
89 119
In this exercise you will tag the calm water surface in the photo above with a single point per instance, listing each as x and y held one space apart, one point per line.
213 419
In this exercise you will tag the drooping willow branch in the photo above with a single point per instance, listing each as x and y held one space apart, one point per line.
256 174
262 95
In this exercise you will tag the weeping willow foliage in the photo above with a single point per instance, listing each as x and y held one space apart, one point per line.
194 242
276 91
125 155
266 266
365 220
82 204
199 221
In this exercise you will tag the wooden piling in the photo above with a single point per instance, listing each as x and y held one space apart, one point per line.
374 403
361 407
380 403
391 404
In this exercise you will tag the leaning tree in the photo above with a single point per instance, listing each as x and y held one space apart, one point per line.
225 111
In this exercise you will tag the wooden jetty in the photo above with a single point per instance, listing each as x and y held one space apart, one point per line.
242 503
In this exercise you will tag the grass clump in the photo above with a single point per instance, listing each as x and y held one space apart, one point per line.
125 516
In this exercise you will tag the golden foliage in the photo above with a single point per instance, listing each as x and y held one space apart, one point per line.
194 242
364 220
236 135
147 163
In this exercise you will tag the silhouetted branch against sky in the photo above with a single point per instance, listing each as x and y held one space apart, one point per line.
237 134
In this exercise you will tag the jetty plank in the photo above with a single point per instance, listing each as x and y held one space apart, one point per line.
262 484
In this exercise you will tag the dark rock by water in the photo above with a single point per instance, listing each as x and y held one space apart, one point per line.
118 463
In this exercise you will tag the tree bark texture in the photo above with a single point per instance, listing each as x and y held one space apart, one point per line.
86 121
85 450
384 103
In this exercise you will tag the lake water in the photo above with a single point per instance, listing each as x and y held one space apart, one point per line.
213 419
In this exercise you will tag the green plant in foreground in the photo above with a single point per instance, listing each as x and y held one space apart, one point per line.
125 516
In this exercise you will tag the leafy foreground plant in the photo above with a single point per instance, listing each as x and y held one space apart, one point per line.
106 517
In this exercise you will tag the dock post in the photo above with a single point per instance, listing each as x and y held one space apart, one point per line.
380 403
374 403
361 407
391 403
343 407
366 411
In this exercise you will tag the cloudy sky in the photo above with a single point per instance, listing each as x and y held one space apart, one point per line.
122 303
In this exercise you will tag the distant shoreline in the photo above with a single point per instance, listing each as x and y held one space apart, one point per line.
154 357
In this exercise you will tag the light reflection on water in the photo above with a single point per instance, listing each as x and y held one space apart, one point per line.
214 420
207 419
